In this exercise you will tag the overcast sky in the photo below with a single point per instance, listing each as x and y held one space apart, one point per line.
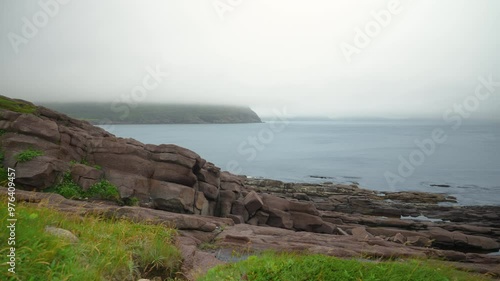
262 53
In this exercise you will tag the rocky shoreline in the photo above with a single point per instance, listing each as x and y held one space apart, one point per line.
176 186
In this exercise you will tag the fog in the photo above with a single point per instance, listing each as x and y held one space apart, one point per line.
418 59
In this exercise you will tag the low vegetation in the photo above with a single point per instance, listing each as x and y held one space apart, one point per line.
16 105
107 249
27 155
294 267
86 163
100 190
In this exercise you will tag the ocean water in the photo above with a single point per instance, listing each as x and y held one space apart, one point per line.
464 161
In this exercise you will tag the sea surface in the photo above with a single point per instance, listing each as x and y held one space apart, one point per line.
463 160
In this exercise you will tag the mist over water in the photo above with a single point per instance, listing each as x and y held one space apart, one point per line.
467 163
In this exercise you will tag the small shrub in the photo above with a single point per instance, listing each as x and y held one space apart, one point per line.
67 188
27 155
103 190
131 201
2 132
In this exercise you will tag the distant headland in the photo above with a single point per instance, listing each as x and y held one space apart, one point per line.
98 113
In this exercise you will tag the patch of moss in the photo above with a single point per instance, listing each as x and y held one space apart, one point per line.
28 154
16 105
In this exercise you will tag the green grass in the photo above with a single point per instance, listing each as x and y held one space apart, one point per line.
103 190
15 105
86 163
100 190
295 267
107 249
131 201
27 155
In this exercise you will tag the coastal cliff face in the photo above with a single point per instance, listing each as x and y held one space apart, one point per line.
335 219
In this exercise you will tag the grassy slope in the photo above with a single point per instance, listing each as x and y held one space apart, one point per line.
16 105
156 113
294 267
107 250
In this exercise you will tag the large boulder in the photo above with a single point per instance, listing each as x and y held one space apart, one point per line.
174 173
253 202
210 191
226 199
85 176
39 173
32 125
305 222
271 201
239 209
303 207
172 197
279 218
210 174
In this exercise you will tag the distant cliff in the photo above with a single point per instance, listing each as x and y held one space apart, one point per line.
156 113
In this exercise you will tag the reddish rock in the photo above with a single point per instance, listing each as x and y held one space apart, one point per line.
226 199
174 173
210 174
303 207
278 218
361 232
326 228
172 197
253 202
85 176
239 209
237 219
32 125
274 202
38 173
399 238
305 222
174 158
210 191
